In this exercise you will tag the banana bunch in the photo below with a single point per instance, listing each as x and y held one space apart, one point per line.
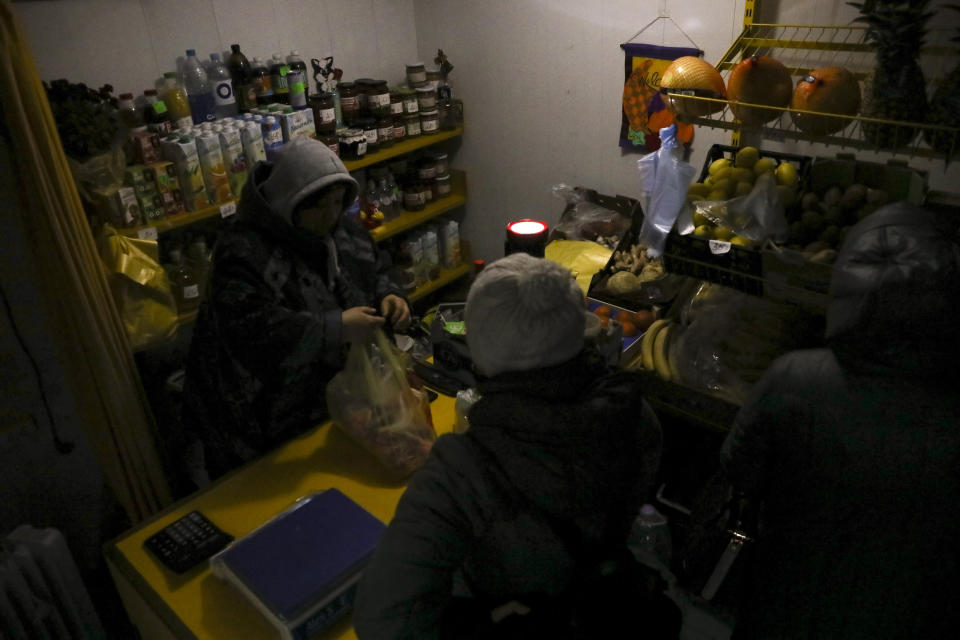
655 351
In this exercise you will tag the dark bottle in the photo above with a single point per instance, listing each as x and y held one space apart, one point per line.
241 73
278 78
260 77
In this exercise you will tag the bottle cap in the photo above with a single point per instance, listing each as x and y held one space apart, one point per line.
235 48
191 52
170 74
149 92
215 56
125 96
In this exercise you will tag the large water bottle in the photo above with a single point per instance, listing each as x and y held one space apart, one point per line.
223 93
650 538
199 91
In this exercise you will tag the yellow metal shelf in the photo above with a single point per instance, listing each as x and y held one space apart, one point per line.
446 277
191 217
410 219
802 48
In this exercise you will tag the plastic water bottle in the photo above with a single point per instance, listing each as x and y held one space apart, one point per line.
650 538
223 92
199 91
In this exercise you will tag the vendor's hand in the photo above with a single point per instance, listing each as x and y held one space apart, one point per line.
395 309
358 323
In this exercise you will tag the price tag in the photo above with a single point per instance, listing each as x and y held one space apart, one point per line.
228 209
719 246
149 233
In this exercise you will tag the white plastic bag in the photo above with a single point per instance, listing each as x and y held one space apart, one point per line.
664 178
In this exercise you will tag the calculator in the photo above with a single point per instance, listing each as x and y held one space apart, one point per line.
187 542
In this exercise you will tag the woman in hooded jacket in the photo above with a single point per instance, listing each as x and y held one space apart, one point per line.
293 281
853 450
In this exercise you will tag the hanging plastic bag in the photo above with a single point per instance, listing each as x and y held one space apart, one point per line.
585 220
664 178
374 404
141 290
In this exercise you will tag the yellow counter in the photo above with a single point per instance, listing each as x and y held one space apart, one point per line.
197 605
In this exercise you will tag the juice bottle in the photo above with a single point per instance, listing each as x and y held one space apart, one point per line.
278 78
260 76
176 100
186 292
155 113
297 80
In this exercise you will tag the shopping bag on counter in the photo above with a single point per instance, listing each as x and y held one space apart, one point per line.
141 290
372 401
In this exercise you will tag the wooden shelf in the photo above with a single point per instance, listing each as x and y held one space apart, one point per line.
410 219
401 148
446 277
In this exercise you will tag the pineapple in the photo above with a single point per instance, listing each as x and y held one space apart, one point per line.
898 91
945 108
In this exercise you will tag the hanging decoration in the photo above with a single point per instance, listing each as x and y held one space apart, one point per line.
644 111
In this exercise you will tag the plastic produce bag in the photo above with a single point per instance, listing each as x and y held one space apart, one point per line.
729 338
756 216
374 404
664 179
585 220
141 290
583 258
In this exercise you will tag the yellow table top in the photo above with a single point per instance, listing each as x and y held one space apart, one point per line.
198 605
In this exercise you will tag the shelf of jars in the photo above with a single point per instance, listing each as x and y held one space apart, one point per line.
803 48
446 277
410 219
226 209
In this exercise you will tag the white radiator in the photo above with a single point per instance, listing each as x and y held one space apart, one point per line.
41 592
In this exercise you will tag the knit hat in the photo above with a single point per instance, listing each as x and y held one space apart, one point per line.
523 313
301 168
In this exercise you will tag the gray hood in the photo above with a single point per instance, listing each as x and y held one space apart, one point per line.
301 167
895 291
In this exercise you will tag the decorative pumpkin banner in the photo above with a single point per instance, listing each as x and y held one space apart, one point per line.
644 111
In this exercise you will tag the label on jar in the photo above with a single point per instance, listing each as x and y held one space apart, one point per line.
349 103
370 135
379 100
385 133
396 108
410 105
413 199
191 291
327 115
428 172
443 187
430 124
335 147
413 128
362 147
415 75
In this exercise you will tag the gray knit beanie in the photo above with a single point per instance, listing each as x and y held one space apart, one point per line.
523 313
302 167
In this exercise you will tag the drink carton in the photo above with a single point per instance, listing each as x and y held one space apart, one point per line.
151 206
234 159
213 169
126 207
145 146
165 176
172 201
252 140
182 152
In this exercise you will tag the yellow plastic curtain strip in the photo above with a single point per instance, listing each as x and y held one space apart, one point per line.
89 330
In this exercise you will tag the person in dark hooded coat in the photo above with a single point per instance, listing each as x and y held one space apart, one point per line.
293 282
853 450
555 436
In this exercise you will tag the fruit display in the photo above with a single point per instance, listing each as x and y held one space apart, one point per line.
759 80
823 219
654 349
631 268
945 107
699 78
731 178
826 90
632 323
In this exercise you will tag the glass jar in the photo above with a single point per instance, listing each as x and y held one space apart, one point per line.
448 115
396 102
443 163
369 128
426 98
353 144
427 167
385 132
433 78
399 129
364 86
410 104
428 190
332 140
416 74
429 121
412 123
441 187
324 113
378 99
413 198
349 102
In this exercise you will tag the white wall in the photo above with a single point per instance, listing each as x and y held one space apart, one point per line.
130 43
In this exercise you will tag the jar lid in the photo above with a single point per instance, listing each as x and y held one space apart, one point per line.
380 84
429 113
406 91
426 90
365 82
445 176
366 122
323 95
440 155
347 85
414 64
